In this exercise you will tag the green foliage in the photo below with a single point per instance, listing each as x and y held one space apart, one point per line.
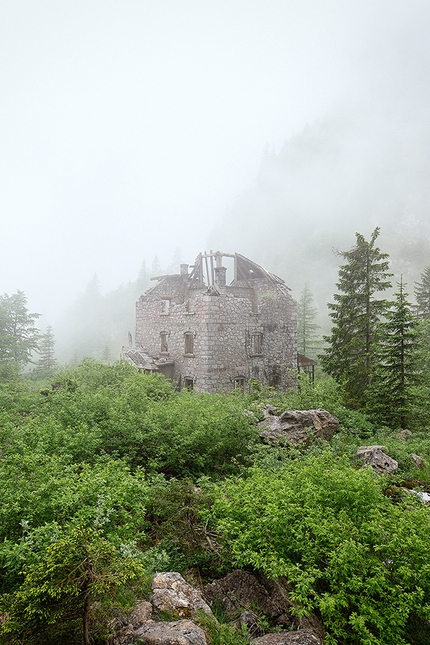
97 409
71 466
18 335
42 495
75 570
47 363
174 512
356 312
422 295
390 395
345 549
221 633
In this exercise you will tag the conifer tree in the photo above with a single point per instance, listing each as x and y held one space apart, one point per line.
307 342
47 362
395 372
18 335
422 295
356 313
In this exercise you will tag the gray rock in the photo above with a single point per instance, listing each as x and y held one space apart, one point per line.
300 637
140 614
181 632
297 426
404 435
241 591
270 410
418 461
375 457
171 593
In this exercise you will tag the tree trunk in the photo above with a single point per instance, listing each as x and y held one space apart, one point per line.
85 621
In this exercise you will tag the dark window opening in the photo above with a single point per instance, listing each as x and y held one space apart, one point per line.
239 383
164 348
188 383
189 344
256 344
165 306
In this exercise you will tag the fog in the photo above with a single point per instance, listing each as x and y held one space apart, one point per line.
133 129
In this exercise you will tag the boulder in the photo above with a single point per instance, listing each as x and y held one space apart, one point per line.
404 435
181 632
171 593
242 592
375 457
418 461
140 614
296 426
300 637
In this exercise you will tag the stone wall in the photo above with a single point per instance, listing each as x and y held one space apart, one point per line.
239 332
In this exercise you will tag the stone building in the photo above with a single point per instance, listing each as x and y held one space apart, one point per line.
209 335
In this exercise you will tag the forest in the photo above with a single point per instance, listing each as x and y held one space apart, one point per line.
109 475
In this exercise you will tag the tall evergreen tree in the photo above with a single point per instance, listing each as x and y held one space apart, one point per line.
395 372
356 313
307 340
19 336
47 362
422 295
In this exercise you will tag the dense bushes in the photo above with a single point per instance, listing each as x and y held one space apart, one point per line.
348 552
116 463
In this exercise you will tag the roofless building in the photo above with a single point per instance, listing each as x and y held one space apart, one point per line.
209 335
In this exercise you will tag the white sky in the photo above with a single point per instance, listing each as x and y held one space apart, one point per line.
128 126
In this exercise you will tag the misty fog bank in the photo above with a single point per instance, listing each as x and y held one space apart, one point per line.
131 128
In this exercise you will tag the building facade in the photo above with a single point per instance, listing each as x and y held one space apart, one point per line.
209 335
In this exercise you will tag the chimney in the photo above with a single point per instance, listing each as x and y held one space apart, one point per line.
184 269
220 277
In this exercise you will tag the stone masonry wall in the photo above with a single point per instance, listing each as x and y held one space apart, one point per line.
222 327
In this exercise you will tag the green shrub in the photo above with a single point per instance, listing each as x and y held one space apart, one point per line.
347 551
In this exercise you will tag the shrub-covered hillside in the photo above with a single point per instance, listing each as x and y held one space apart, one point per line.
107 475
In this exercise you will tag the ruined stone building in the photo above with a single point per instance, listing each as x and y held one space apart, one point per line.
209 335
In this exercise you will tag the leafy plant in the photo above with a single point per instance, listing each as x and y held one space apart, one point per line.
346 550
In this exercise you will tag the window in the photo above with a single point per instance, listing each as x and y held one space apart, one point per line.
163 342
256 344
165 306
189 343
188 383
274 380
239 383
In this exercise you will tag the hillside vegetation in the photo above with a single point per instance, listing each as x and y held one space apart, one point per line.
108 475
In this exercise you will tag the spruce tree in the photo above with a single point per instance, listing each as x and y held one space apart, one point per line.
18 334
47 362
356 313
390 396
422 295
307 340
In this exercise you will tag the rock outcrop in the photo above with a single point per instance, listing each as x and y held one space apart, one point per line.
171 593
300 637
404 435
418 461
241 592
180 632
244 597
297 426
375 457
